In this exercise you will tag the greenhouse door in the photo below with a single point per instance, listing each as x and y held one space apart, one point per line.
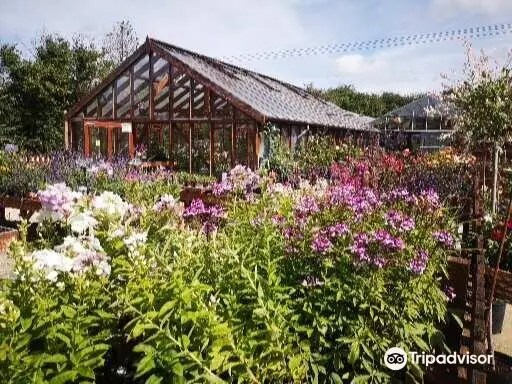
108 139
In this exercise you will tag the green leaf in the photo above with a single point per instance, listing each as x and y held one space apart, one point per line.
336 378
185 341
177 369
361 379
57 358
154 379
68 311
166 308
64 377
354 353
146 364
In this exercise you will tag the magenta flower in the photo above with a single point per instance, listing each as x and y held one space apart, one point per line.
419 263
306 206
399 221
321 244
444 237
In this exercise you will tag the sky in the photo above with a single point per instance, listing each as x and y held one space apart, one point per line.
223 28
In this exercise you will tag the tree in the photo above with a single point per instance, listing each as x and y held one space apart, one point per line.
347 97
483 99
38 91
120 42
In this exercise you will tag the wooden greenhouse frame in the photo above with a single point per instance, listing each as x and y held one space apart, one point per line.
196 110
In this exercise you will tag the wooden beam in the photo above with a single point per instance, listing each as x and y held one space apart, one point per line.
151 90
190 147
244 107
109 79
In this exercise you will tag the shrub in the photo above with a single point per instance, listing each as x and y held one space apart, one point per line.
311 284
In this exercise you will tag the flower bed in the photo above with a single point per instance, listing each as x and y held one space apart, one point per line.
289 284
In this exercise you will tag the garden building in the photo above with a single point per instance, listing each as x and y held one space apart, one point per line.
420 124
200 114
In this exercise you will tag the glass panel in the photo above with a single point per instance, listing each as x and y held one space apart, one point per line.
141 88
180 147
161 88
105 103
77 138
123 96
201 149
98 139
140 135
220 107
199 109
241 145
92 109
157 151
251 145
120 142
181 96
221 148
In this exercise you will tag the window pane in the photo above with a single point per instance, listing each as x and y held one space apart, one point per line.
123 96
181 96
161 88
180 147
241 144
105 103
222 148
92 109
120 143
198 109
77 128
99 145
141 88
201 149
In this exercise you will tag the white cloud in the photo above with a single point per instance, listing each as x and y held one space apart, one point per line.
355 64
483 7
408 69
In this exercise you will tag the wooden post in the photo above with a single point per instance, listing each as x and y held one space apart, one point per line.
151 89
132 91
66 132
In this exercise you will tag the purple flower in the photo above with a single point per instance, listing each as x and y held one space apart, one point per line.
278 219
307 205
419 263
399 221
321 244
431 198
387 240
449 291
216 211
444 237
222 188
336 230
196 208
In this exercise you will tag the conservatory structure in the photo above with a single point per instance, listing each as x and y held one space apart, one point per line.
199 114
421 124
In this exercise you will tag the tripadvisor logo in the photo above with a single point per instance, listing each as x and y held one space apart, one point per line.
396 358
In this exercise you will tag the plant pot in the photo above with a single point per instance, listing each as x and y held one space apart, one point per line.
7 236
498 316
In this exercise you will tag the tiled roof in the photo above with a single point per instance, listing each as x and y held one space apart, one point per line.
420 107
274 99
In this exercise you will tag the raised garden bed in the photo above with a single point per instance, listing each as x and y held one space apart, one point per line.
503 289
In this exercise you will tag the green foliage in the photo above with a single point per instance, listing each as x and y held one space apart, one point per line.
374 105
234 306
40 90
483 99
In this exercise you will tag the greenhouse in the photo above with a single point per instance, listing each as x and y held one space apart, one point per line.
199 114
420 124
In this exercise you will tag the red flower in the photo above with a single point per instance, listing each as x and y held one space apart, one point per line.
497 234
